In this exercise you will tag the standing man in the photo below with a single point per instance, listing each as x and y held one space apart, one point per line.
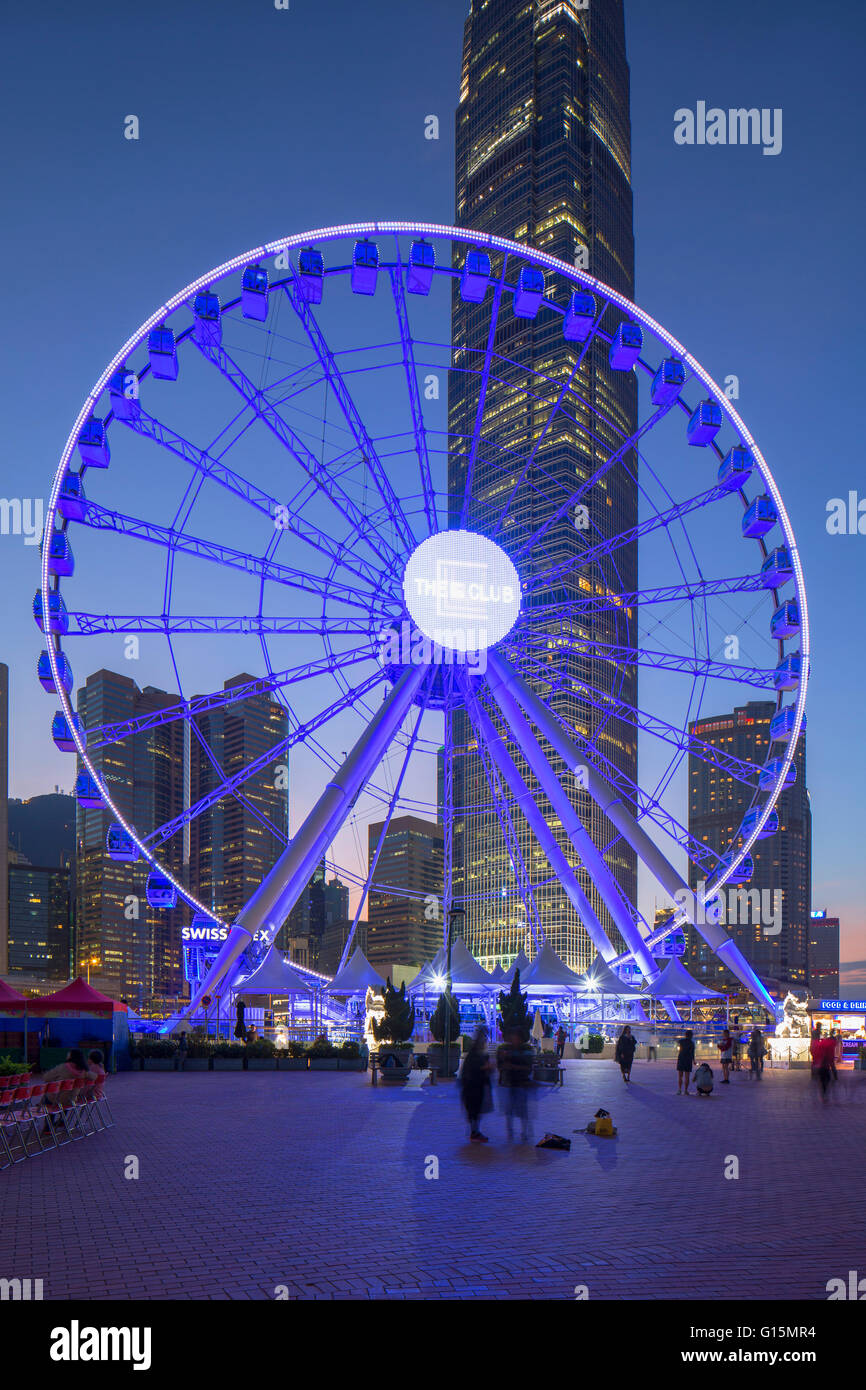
561 1037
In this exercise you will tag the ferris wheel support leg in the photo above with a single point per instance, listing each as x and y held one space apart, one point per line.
500 677
621 817
280 889
538 825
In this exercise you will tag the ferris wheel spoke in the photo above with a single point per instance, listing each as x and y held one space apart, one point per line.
607 704
90 624
208 466
554 410
621 911
237 779
415 400
410 747
350 412
496 765
101 519
535 647
610 601
618 454
482 395
317 471
516 694
281 887
278 833
592 554
220 699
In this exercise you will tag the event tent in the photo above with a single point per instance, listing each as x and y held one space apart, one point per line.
549 974
356 976
274 977
521 963
467 976
675 982
600 979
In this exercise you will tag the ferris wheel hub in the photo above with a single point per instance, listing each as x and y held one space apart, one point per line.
462 591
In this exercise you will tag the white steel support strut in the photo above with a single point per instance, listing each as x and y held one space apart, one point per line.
622 818
499 677
280 889
538 825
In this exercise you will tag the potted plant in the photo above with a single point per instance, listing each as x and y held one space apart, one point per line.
294 1058
9 1067
394 1030
228 1056
323 1055
350 1058
261 1055
157 1054
198 1052
446 1014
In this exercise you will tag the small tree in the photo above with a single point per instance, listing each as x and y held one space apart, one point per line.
398 1023
447 1005
513 1012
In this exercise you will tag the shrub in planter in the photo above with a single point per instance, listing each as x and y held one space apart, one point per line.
350 1049
155 1048
10 1068
322 1049
262 1047
228 1056
595 1043
393 1032
297 1049
513 1012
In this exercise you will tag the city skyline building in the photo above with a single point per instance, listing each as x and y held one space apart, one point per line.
235 841
769 915
824 966
117 933
40 908
405 904
543 157
4 817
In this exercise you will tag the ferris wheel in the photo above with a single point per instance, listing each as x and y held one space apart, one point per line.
266 476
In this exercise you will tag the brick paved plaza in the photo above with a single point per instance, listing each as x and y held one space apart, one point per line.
316 1181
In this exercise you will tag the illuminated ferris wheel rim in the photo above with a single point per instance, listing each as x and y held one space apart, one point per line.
582 280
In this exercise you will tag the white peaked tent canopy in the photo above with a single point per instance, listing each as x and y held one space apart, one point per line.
274 977
600 979
356 976
497 974
467 975
549 974
424 978
521 963
675 982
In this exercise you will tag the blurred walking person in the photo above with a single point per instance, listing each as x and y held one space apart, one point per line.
757 1048
475 1084
685 1061
516 1075
726 1056
561 1039
624 1053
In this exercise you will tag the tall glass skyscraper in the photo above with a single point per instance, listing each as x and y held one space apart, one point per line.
543 157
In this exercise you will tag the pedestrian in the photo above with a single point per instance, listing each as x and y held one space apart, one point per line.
561 1039
516 1077
703 1079
736 1046
624 1053
475 1084
756 1052
726 1055
685 1060
182 1048
652 1047
823 1057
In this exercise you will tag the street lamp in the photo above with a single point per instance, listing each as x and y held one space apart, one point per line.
452 913
91 960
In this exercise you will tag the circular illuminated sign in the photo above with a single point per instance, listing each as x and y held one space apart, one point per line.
462 591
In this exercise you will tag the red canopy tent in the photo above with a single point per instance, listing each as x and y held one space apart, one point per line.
78 997
10 1000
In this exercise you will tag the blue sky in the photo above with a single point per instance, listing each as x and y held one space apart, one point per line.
257 122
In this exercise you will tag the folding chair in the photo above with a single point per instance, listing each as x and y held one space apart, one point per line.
101 1103
9 1127
69 1107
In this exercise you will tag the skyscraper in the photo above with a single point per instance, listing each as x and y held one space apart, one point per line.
39 921
4 824
772 910
234 842
404 911
823 955
543 157
117 932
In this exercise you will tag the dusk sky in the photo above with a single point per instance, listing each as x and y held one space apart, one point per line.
257 122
